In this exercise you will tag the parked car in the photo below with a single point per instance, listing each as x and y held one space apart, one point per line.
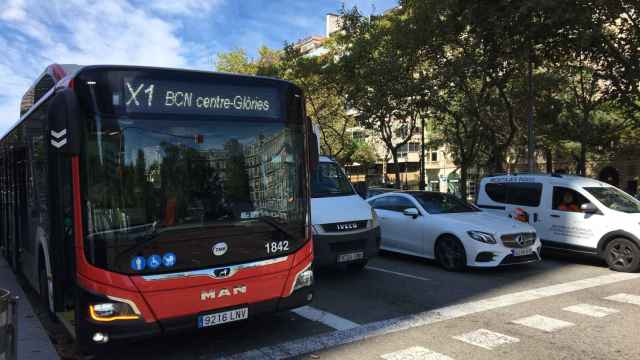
373 191
345 228
571 213
445 228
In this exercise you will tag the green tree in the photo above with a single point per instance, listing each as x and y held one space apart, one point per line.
379 78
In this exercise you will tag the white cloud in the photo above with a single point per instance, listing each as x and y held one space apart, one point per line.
185 7
84 32
13 10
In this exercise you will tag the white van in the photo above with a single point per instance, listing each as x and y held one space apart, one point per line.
345 227
571 213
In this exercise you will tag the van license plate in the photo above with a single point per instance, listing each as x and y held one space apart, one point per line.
522 252
350 257
223 317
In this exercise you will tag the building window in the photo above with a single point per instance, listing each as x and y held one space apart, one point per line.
434 156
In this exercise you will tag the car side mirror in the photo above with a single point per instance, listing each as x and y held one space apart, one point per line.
588 208
413 212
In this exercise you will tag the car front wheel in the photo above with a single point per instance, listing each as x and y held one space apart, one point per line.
623 255
450 254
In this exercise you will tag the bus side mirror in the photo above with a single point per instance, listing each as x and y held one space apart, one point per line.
314 152
63 116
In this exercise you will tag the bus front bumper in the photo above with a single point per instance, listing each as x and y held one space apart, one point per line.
133 330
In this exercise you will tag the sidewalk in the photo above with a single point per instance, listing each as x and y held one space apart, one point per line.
33 341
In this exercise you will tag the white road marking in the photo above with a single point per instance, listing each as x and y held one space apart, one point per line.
543 323
415 353
486 339
591 310
324 317
625 298
384 327
397 273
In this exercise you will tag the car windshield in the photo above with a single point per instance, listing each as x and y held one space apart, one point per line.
440 203
329 180
615 199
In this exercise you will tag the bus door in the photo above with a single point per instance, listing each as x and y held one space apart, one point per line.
20 219
60 196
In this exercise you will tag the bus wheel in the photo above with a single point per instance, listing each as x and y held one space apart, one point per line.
357 266
450 254
44 290
623 255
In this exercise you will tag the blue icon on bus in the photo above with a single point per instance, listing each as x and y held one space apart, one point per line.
154 261
169 259
138 263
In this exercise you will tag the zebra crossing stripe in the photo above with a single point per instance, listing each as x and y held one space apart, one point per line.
486 339
543 323
625 298
415 353
591 310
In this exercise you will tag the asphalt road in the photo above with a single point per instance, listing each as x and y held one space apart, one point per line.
402 307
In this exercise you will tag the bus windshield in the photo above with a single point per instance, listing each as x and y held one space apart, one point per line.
162 194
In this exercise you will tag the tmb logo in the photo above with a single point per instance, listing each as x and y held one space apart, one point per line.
224 292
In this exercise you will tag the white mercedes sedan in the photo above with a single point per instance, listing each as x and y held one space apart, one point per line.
456 234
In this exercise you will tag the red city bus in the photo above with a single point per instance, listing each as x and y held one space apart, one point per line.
140 201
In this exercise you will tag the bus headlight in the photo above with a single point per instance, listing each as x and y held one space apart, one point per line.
112 311
304 279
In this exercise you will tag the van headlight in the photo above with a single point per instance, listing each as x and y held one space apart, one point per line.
374 218
482 237
304 279
111 311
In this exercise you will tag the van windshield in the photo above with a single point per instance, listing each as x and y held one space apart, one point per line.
329 180
615 199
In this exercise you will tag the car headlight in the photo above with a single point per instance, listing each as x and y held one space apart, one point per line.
482 237
374 218
112 311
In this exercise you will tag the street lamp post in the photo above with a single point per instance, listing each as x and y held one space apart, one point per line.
531 144
422 162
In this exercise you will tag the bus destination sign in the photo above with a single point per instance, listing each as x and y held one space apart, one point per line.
164 97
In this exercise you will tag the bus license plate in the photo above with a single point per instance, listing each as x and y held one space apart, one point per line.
350 257
223 317
522 252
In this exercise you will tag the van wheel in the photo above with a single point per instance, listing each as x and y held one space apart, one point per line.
357 266
450 254
623 255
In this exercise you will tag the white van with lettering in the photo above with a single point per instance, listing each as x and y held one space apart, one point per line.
571 213
345 228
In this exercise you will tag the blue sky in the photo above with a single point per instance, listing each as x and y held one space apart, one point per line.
172 33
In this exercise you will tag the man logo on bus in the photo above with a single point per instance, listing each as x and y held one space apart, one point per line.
220 249
215 294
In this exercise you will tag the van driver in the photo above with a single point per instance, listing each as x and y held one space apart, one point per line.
568 203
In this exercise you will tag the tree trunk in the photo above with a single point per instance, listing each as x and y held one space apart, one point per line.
582 160
464 174
394 155
548 154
